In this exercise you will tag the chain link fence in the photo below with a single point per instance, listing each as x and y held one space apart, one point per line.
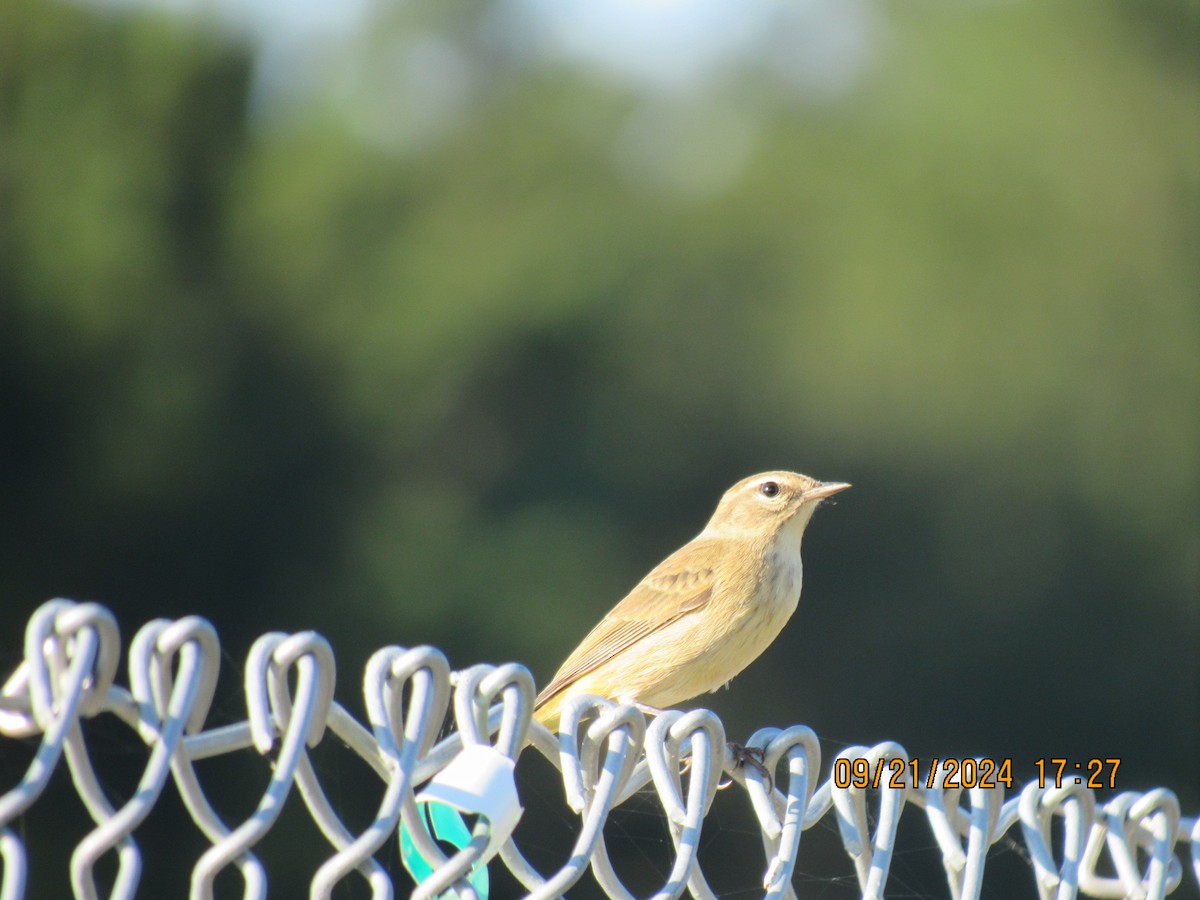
1135 845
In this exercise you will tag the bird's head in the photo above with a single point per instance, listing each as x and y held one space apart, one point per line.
770 500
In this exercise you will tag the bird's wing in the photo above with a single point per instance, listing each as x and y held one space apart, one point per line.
681 584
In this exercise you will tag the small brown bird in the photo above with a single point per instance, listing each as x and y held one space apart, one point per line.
706 611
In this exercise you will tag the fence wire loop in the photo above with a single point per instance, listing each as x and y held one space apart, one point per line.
871 852
1076 805
72 651
781 815
157 650
1134 845
401 736
698 737
406 733
1192 835
476 692
951 823
176 701
1129 822
616 730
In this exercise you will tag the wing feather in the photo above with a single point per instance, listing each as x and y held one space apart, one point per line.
681 584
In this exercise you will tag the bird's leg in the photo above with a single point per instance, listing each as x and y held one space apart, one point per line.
649 710
646 708
755 758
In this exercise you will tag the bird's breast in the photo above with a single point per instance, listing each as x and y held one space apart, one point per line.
782 578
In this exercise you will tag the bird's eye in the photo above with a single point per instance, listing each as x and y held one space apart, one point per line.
769 489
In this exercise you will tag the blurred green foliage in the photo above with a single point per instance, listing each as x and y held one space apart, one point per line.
459 375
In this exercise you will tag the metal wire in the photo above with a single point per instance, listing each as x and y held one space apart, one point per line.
605 753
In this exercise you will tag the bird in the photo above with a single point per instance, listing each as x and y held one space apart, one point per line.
706 611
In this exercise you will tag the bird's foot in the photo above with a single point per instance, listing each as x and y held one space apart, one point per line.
753 757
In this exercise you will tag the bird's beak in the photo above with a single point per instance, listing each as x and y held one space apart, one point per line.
825 489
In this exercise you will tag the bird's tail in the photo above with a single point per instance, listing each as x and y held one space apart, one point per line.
549 710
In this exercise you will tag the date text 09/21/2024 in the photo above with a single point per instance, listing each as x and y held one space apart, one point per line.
860 772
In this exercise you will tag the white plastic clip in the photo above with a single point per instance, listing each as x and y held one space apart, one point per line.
479 782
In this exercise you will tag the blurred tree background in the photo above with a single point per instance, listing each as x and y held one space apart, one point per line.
443 322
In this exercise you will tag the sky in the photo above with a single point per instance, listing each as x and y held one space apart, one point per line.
660 46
